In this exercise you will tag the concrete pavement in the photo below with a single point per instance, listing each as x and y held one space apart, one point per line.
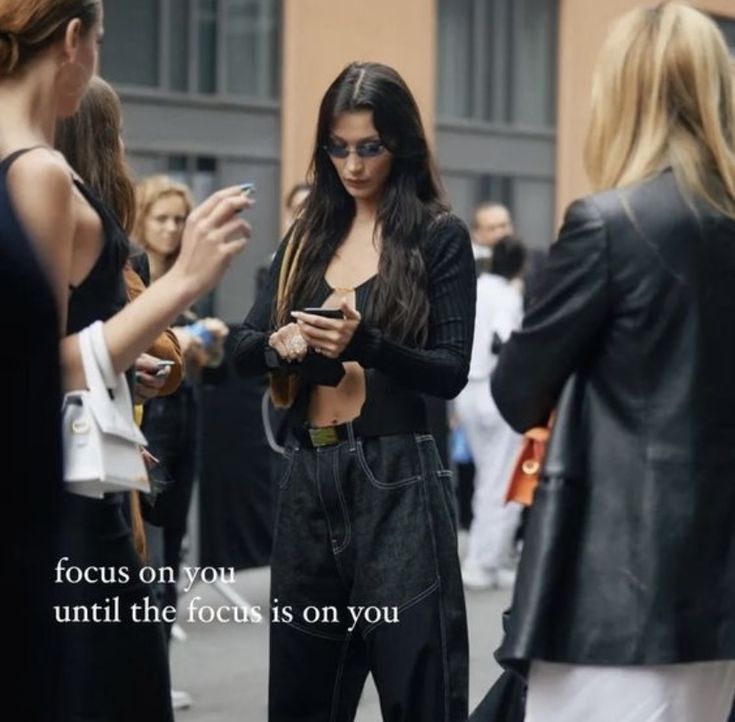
224 665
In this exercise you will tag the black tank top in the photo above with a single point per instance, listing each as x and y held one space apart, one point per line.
102 293
30 448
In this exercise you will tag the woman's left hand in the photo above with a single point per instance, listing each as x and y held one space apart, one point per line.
149 378
329 336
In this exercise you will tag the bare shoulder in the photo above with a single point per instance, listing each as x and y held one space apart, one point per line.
41 172
40 182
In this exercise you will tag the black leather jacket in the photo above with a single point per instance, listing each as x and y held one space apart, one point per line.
638 300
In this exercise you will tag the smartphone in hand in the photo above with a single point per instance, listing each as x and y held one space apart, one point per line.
162 365
324 312
248 189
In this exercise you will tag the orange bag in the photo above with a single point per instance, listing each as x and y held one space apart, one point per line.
525 475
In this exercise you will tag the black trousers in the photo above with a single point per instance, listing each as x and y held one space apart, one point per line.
365 577
170 426
112 671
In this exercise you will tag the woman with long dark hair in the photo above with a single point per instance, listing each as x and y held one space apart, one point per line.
364 515
625 600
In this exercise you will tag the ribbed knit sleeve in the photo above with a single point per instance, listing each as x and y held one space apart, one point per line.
441 367
251 337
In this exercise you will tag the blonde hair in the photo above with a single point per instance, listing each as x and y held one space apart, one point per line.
663 97
149 191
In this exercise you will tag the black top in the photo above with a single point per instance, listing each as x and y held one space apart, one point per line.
102 293
396 374
30 447
637 301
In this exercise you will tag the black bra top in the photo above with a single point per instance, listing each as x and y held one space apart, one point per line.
102 293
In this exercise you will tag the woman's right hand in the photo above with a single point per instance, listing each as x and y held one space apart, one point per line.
213 236
288 343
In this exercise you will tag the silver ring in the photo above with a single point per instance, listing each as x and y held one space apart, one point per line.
296 345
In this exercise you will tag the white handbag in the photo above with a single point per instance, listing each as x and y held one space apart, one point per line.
102 444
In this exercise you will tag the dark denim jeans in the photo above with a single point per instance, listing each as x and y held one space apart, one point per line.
170 426
367 523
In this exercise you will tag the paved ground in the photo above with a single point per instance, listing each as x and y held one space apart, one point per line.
224 666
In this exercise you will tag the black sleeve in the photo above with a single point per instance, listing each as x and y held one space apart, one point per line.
139 261
441 367
251 336
566 314
252 356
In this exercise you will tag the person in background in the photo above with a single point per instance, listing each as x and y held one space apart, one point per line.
295 199
494 444
624 606
492 222
171 423
91 142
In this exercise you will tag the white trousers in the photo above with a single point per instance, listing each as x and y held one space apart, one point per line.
495 447
701 692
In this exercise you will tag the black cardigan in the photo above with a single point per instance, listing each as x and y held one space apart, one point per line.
397 373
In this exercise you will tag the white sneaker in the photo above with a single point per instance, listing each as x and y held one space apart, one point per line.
180 699
177 632
475 577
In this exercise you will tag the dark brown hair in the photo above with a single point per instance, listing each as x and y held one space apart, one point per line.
27 27
90 141
412 198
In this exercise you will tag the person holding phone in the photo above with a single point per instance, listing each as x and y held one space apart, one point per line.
48 53
369 303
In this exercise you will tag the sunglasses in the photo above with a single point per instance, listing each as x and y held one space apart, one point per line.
367 149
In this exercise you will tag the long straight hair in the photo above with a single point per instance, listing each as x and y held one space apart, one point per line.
90 141
663 97
411 198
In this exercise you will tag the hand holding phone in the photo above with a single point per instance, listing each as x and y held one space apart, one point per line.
321 331
162 365
324 312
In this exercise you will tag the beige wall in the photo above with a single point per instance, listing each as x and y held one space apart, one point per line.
322 36
583 25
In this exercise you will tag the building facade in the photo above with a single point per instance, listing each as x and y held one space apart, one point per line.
226 91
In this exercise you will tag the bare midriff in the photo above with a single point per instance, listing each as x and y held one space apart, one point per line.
354 263
330 405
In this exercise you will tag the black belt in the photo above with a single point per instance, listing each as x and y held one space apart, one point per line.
314 437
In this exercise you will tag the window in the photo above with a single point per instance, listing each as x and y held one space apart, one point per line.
207 36
252 48
197 172
130 47
497 60
207 47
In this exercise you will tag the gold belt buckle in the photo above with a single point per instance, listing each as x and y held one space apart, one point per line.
323 436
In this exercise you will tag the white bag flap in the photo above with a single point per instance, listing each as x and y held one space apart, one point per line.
113 409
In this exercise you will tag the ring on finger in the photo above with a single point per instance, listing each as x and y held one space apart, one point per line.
296 345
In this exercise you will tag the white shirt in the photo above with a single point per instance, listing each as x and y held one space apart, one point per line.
499 310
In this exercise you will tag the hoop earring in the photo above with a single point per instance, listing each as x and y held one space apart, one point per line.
75 83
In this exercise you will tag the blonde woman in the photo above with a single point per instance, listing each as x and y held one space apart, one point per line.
170 423
626 611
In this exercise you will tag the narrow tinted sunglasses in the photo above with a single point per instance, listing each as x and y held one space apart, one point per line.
368 149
